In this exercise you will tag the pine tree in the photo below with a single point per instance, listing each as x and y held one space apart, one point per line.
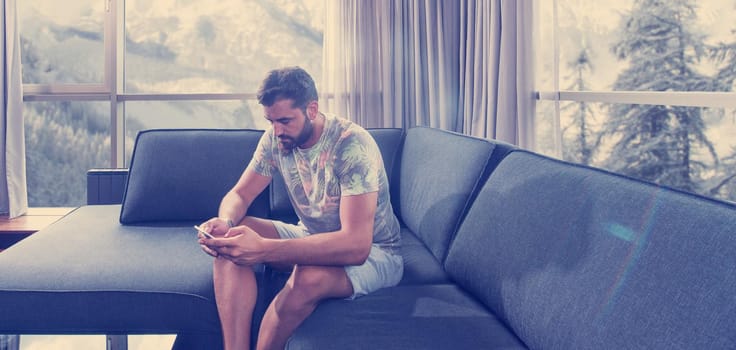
725 55
724 183
579 139
656 142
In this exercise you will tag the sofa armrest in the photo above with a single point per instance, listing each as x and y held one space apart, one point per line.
106 186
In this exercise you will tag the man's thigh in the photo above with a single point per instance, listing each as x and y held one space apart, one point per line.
381 269
320 282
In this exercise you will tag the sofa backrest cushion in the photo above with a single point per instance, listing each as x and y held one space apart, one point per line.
438 172
389 142
182 174
577 258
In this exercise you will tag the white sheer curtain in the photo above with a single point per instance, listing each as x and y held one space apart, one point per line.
497 99
13 197
460 65
361 49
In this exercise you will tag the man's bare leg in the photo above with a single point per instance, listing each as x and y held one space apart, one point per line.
236 292
307 286
235 296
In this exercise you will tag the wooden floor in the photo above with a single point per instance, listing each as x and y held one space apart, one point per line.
96 342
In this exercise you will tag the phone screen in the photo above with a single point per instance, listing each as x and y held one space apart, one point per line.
202 231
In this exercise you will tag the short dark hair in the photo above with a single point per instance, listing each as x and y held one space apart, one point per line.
292 83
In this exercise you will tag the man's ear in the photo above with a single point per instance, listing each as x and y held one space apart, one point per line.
313 110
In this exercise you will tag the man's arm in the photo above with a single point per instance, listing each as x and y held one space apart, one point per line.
236 202
348 246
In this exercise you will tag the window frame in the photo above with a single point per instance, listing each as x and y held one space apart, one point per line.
670 98
113 87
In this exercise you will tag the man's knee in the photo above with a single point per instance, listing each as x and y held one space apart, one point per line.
302 290
223 268
305 284
223 265
309 285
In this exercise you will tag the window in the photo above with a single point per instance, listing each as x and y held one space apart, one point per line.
217 47
50 30
63 140
641 87
95 72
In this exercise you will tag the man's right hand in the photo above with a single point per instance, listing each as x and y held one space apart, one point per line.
217 227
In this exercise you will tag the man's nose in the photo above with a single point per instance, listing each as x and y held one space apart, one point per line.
278 129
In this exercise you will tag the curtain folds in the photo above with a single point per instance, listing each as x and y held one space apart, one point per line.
459 65
13 196
357 66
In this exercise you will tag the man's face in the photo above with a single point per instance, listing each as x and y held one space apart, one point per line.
290 125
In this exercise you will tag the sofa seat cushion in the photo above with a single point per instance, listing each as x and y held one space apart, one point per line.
86 273
420 265
404 317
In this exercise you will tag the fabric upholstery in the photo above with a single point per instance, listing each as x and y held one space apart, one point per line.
177 175
87 273
389 142
439 170
538 253
405 317
420 265
577 258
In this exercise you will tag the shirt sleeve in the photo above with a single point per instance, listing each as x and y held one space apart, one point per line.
263 161
358 164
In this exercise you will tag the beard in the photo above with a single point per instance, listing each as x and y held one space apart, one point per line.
288 143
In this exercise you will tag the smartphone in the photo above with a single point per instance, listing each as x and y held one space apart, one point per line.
202 231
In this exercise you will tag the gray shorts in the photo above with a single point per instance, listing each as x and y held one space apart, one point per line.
381 269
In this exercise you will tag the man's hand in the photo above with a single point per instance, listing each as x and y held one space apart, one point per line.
217 227
240 244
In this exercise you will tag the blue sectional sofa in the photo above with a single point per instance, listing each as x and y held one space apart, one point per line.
503 249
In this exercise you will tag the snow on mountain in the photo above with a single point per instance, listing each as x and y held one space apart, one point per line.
228 45
178 46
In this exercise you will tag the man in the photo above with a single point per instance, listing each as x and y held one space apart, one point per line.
347 241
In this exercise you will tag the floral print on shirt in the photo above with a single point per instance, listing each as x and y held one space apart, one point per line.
345 161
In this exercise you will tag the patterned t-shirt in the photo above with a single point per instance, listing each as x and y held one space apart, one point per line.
345 161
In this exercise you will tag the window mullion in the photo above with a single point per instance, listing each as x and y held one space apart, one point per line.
667 98
114 70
